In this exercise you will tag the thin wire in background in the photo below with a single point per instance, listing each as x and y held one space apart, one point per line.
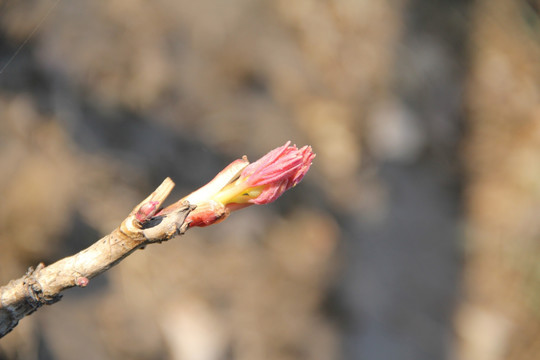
36 28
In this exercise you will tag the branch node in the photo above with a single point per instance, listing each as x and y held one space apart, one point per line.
35 295
168 224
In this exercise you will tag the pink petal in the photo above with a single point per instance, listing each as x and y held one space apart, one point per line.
279 170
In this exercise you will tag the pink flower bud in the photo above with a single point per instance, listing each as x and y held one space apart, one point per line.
277 171
240 185
82 281
146 211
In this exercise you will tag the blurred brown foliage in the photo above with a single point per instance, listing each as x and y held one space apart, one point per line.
500 319
425 119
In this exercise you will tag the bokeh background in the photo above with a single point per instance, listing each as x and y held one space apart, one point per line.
415 235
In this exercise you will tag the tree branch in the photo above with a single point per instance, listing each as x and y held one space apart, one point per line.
239 185
42 285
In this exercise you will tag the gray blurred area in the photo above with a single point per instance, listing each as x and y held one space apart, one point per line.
415 235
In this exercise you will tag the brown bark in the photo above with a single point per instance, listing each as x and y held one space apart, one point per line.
42 285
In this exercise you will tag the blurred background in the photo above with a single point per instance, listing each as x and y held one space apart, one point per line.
415 235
